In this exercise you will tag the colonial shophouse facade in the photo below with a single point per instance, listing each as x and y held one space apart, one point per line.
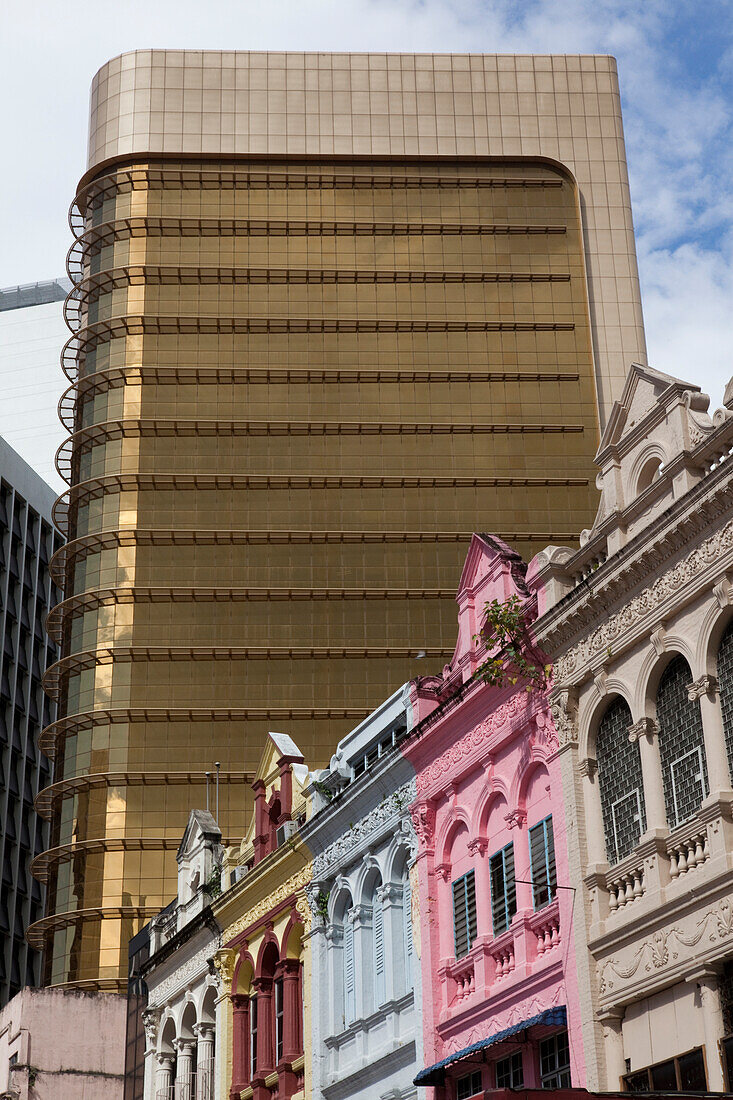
264 916
639 626
499 984
182 992
364 976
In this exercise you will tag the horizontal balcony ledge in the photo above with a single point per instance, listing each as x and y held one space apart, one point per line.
364 1024
664 907
521 984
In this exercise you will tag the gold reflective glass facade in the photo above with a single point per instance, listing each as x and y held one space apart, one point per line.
298 386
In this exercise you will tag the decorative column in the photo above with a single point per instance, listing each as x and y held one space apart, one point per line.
185 1089
613 1047
225 961
240 1042
705 691
292 1010
595 834
204 1061
265 1038
706 980
164 1077
646 732
151 1019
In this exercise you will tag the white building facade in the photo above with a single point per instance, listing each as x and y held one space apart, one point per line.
183 990
639 626
366 1036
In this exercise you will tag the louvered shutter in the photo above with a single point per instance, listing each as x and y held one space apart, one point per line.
349 973
460 926
378 919
464 913
542 862
407 920
503 889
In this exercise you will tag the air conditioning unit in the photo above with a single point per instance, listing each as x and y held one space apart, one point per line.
238 873
285 831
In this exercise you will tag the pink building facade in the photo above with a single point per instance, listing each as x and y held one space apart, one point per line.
495 911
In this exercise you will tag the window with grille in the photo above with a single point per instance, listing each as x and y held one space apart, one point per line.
378 935
469 1085
510 1072
543 871
503 889
619 782
681 746
555 1061
725 686
464 913
349 973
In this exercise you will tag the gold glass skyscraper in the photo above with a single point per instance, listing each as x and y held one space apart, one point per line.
332 313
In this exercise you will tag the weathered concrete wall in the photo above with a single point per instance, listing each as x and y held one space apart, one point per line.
64 1045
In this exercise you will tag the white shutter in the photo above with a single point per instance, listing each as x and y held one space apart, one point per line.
378 918
407 924
349 973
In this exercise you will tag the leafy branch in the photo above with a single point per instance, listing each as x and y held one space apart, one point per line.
512 655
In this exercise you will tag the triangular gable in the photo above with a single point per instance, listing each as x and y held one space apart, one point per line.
643 388
200 824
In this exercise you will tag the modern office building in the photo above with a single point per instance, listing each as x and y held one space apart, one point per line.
332 313
32 333
27 541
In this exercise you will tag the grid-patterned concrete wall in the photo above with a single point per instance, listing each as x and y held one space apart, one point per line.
620 782
27 541
563 107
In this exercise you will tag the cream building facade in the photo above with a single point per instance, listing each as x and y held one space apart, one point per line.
639 626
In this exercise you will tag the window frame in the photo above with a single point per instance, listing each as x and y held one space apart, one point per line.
506 903
279 1010
467 880
675 1060
471 1079
560 1070
696 751
550 883
515 1063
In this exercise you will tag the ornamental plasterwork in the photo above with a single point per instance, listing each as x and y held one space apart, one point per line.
196 966
279 894
519 1011
395 804
639 609
664 947
514 712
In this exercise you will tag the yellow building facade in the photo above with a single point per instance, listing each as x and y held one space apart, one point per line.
262 1014
311 354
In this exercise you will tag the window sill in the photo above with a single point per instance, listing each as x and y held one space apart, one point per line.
367 1023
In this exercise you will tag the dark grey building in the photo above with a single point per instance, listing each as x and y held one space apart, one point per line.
27 541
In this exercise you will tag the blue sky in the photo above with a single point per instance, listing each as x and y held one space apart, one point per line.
675 66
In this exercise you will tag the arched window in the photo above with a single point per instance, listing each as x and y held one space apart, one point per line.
725 684
620 782
408 948
343 964
681 746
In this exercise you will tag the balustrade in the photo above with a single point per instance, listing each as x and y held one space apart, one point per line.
688 852
625 887
464 982
503 960
547 932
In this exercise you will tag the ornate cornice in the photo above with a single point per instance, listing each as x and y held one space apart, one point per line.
515 712
641 608
277 896
382 817
194 967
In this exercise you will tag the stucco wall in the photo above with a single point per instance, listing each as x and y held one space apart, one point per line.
67 1043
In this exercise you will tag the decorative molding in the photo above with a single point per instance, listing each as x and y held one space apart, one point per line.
423 822
587 767
515 712
645 727
642 606
382 817
196 966
478 846
723 592
658 638
664 947
151 1020
706 685
520 1010
515 819
287 888
224 962
563 707
443 870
